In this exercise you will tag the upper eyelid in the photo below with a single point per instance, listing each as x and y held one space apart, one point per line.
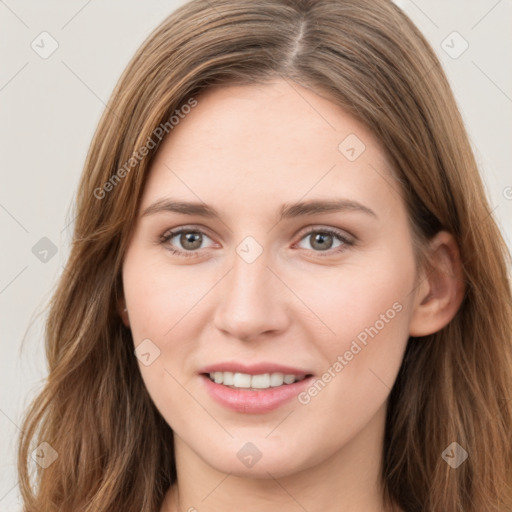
319 227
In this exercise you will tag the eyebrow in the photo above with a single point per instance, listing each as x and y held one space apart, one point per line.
287 210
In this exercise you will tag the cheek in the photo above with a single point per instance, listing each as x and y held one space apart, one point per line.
159 295
356 296
160 306
367 308
163 302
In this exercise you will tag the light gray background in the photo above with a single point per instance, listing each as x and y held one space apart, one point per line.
50 108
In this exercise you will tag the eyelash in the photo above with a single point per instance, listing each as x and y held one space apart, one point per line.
191 254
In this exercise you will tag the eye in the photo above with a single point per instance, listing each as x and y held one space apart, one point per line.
323 240
189 239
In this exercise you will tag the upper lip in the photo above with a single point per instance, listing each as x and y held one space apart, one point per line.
254 369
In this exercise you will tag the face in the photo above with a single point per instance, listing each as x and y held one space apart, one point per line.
268 330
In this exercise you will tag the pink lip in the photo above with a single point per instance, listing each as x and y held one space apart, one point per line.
251 401
253 369
255 402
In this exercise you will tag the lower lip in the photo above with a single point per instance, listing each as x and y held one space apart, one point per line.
255 402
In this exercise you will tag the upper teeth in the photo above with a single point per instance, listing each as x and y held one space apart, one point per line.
262 381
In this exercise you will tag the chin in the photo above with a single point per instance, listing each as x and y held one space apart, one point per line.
260 457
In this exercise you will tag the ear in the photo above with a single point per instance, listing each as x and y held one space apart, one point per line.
441 288
123 311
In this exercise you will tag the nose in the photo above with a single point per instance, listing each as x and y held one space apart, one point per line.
252 301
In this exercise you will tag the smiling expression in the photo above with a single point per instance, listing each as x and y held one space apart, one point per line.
296 246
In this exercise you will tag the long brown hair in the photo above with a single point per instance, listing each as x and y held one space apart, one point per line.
115 451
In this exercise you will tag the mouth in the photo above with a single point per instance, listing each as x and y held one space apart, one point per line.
237 380
256 389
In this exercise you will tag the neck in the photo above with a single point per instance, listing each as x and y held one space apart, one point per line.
349 480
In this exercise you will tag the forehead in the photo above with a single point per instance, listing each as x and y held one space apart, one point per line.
260 144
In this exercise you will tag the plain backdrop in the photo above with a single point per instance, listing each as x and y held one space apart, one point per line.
50 108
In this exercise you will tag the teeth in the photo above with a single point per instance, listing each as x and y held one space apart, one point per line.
289 379
228 378
241 380
276 379
261 381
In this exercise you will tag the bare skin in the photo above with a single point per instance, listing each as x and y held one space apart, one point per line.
302 302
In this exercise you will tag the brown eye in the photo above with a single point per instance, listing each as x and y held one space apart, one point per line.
323 240
185 242
190 240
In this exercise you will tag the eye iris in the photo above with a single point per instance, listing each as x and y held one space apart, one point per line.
194 238
320 237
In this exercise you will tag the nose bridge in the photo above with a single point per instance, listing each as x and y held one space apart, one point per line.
250 302
249 280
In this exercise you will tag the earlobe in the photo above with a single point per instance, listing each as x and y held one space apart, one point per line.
441 290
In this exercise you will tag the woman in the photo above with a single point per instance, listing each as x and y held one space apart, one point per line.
285 290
